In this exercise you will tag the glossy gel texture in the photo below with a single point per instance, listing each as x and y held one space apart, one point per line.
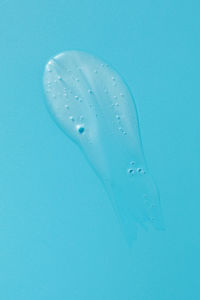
93 106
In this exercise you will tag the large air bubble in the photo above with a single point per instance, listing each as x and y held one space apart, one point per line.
94 107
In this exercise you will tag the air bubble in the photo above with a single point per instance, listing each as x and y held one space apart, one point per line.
140 171
131 171
80 128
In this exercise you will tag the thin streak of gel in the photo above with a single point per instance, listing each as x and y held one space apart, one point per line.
94 107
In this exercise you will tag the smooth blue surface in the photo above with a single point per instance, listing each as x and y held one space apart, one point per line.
59 238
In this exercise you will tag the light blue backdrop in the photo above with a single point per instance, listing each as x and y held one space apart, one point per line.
59 238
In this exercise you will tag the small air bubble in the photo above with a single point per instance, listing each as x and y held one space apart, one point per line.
67 106
76 97
131 171
59 78
140 171
90 91
117 117
72 118
80 128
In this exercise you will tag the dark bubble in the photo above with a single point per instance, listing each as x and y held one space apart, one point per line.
131 171
80 129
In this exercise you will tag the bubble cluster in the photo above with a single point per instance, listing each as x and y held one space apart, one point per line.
133 169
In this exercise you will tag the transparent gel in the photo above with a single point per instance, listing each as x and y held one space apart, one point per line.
93 106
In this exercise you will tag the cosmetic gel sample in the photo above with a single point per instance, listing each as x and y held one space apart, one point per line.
94 107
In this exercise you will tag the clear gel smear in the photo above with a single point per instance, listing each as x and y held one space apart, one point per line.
93 106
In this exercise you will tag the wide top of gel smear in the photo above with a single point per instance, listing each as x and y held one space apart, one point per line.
94 107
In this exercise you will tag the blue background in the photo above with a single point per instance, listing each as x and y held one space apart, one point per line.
59 237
